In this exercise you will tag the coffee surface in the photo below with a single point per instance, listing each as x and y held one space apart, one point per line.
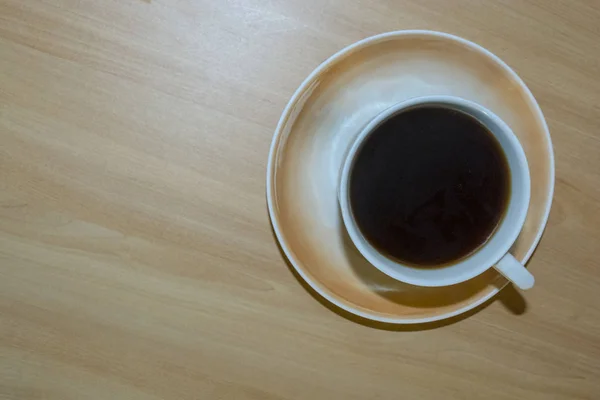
429 186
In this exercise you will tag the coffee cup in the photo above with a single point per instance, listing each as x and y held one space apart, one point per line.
494 251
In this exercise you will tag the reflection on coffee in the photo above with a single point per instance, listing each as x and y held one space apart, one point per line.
429 186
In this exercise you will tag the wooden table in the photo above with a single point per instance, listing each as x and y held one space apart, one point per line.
136 256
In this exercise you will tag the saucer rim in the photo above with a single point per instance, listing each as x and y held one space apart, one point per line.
278 134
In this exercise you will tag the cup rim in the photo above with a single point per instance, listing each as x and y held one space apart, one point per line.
373 256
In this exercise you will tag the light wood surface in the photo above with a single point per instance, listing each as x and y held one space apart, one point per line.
136 256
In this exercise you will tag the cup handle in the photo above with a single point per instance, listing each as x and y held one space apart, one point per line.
515 272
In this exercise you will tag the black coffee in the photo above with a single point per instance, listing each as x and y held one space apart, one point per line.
429 186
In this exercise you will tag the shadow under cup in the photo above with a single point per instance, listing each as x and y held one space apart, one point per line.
496 248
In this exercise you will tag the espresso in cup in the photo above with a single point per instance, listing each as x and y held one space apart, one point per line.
435 191
429 186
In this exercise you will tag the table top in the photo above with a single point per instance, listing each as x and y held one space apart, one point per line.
136 256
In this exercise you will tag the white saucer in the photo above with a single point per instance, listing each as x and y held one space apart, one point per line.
320 122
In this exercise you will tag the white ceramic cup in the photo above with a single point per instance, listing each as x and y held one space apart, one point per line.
495 251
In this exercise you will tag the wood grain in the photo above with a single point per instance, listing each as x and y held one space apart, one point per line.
136 256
